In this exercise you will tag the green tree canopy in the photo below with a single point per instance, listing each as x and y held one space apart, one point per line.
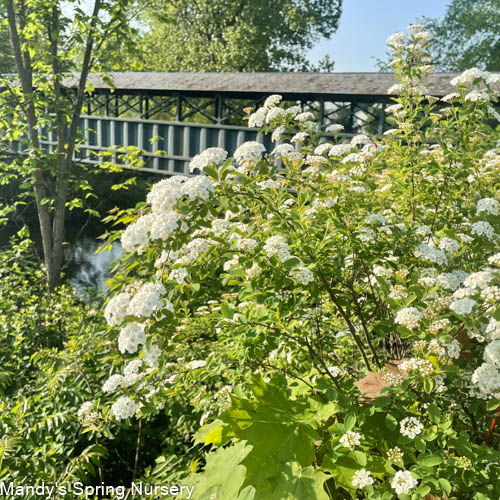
7 64
232 35
467 36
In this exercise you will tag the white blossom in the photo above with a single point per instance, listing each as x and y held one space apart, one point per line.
362 478
488 205
131 336
350 440
462 306
403 482
483 228
208 158
116 309
409 317
123 408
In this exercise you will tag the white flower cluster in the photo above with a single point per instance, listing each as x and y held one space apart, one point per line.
164 221
409 317
179 275
462 306
131 336
164 194
434 255
340 149
208 158
195 364
123 408
488 205
116 309
299 137
274 113
282 150
85 410
162 226
383 272
474 76
334 128
449 245
151 356
246 244
398 292
480 280
452 280
410 427
421 366
305 116
491 294
249 153
483 228
112 383
451 350
193 250
403 482
266 113
302 274
277 245
362 478
254 271
487 376
350 439
374 219
396 39
131 373
147 300
477 96
395 454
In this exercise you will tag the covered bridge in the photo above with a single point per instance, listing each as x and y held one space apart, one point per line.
189 112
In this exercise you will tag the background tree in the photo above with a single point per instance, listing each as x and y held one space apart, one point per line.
45 40
467 36
7 64
234 35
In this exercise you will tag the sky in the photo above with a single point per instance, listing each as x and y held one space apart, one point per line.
364 27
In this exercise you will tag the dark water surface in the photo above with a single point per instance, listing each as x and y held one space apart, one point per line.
83 267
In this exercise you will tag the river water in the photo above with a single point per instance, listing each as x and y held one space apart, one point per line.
83 267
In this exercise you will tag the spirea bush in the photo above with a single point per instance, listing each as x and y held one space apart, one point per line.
329 308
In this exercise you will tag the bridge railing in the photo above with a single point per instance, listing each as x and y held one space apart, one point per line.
178 142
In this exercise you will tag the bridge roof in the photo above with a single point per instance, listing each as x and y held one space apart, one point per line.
242 84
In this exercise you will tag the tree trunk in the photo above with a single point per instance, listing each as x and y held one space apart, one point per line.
52 225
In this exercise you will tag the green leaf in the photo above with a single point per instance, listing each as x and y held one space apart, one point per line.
390 422
214 433
294 482
430 433
429 384
420 444
434 413
349 422
430 461
493 404
342 469
422 491
445 485
224 475
359 457
291 263
277 426
226 311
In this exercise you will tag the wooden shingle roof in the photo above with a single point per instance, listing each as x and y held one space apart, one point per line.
326 84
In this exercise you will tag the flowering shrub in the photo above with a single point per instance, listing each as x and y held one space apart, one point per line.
331 308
